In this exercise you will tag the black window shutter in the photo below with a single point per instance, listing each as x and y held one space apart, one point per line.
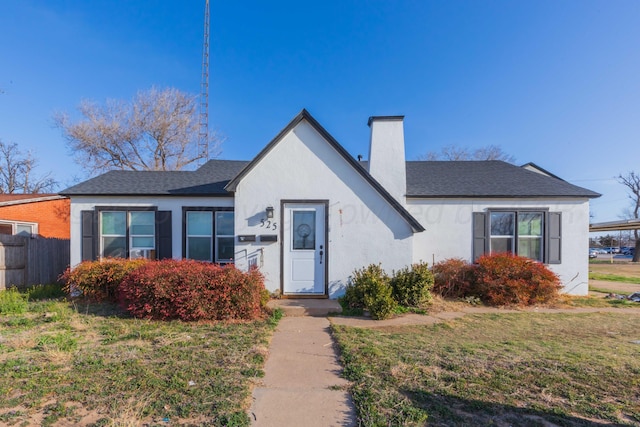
554 238
89 236
480 245
163 221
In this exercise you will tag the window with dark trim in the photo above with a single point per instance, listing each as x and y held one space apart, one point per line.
209 234
517 232
127 232
532 233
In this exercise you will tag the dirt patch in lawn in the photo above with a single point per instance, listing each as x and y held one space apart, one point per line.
612 287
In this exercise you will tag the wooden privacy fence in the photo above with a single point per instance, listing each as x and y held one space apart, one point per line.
25 261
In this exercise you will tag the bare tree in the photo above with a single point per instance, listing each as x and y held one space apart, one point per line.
453 152
632 181
17 172
157 130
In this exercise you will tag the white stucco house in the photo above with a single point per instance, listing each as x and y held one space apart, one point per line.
307 213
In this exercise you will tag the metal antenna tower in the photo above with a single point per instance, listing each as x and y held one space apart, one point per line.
203 135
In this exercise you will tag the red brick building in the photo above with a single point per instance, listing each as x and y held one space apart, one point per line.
45 215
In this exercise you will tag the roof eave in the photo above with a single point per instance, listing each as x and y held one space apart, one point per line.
148 194
33 200
502 196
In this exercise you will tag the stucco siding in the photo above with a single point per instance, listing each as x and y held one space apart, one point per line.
448 224
362 227
173 204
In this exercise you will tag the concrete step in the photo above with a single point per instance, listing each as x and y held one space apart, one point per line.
306 307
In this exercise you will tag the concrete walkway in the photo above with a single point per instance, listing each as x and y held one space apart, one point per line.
302 385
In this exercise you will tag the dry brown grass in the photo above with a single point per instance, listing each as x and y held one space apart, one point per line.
619 268
440 305
519 369
91 365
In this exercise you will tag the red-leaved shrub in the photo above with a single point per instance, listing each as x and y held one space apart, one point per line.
507 279
98 280
453 278
191 290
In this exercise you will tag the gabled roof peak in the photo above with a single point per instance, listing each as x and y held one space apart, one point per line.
305 115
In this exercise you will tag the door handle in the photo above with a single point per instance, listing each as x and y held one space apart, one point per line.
321 253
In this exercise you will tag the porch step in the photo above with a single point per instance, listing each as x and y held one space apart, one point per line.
306 307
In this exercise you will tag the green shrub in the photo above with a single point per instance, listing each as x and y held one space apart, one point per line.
357 285
411 286
39 292
13 302
453 278
99 280
369 288
379 300
507 279
265 297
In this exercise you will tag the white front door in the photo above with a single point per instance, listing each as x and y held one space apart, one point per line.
304 249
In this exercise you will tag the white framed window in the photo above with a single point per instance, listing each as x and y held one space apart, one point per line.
113 234
142 234
199 235
209 234
127 233
18 228
517 232
530 229
225 247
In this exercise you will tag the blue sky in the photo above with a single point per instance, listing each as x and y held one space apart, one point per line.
555 83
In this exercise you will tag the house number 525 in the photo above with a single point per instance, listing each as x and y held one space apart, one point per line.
270 225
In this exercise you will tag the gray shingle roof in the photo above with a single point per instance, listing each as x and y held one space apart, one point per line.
491 178
429 179
208 180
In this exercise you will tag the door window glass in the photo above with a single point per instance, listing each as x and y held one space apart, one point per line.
304 230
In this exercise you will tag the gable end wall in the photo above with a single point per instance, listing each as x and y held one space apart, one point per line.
363 227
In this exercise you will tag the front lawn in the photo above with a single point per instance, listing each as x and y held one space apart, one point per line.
522 369
614 278
625 269
68 364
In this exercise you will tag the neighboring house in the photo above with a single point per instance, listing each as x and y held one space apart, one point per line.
43 215
307 213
